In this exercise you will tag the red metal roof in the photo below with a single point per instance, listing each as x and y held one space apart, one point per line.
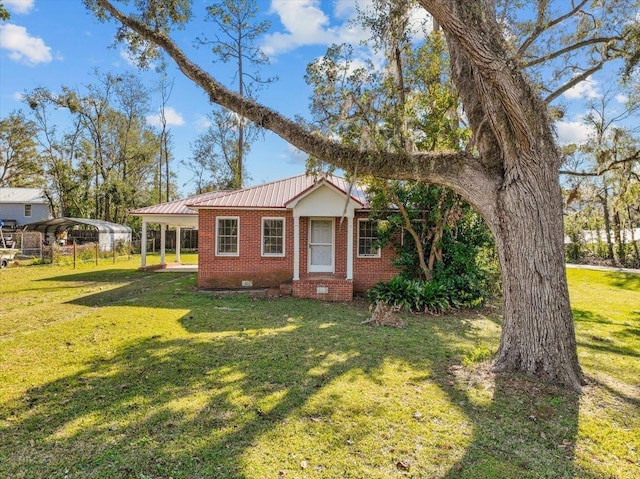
276 194
177 207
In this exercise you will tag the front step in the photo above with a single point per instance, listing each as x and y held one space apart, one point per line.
323 288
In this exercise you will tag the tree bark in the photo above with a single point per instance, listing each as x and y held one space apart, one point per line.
538 335
511 178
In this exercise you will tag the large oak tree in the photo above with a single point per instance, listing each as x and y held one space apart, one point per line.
511 173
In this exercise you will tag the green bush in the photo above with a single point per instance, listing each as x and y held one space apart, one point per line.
412 295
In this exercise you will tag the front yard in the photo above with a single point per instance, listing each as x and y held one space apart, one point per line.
109 372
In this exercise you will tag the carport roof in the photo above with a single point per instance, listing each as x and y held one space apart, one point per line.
177 207
57 225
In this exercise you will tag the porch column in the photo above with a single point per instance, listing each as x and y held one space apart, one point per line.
350 247
143 244
178 231
296 247
163 242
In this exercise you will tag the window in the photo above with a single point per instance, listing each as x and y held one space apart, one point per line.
272 236
27 211
367 239
227 235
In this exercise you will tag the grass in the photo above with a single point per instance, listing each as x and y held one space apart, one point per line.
109 372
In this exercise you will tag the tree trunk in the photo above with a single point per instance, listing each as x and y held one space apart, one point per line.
607 224
619 239
634 241
538 336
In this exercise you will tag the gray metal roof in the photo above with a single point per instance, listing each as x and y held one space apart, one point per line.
22 195
57 225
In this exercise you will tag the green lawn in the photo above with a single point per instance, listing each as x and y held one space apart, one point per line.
109 372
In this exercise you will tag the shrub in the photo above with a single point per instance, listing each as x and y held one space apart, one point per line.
412 295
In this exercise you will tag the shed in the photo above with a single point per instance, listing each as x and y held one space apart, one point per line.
82 230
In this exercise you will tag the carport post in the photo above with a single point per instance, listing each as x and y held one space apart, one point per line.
143 244
178 231
163 242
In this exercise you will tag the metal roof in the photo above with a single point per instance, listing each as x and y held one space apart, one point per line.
22 195
177 207
278 194
57 225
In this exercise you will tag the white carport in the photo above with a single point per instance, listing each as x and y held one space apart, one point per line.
171 214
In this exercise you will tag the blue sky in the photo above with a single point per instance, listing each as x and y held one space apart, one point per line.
52 43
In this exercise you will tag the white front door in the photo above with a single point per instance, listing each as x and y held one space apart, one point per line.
320 246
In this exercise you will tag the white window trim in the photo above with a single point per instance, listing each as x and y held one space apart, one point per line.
30 211
218 218
377 255
284 237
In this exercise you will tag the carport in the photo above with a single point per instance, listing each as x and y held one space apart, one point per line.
104 233
171 214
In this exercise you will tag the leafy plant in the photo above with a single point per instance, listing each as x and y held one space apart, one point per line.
412 295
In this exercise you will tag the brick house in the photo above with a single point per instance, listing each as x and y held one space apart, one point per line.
309 237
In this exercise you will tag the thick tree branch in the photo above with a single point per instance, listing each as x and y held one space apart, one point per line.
460 171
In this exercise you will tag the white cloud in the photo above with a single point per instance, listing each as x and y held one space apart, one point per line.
18 96
573 132
172 117
621 98
22 47
294 156
585 89
19 6
345 9
306 24
202 123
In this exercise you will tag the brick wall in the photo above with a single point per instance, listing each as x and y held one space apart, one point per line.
230 271
368 271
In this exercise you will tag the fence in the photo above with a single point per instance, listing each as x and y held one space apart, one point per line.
86 253
188 239
32 246
28 242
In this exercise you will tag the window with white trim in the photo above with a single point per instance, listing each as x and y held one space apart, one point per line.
227 236
272 236
368 239
27 211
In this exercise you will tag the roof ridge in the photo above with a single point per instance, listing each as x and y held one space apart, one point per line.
262 185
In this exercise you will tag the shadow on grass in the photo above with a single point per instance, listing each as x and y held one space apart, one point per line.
628 281
604 343
119 275
197 406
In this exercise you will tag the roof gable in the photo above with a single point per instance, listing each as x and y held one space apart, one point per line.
279 194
